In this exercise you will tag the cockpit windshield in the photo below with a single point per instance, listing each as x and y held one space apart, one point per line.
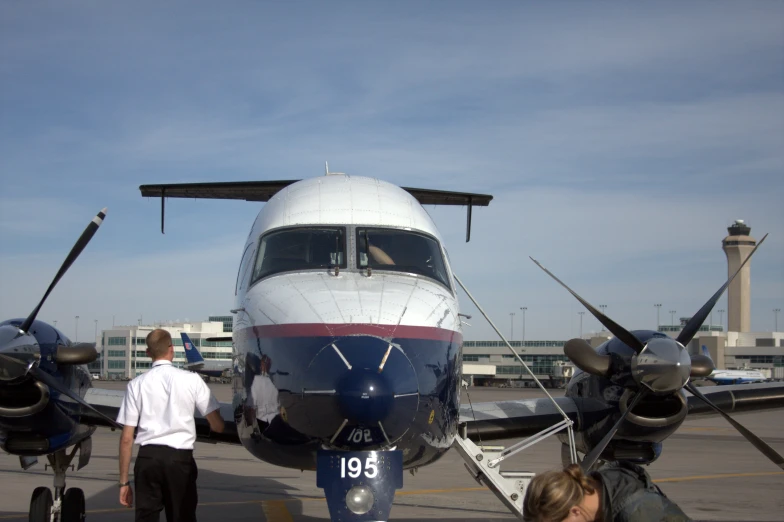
300 249
401 251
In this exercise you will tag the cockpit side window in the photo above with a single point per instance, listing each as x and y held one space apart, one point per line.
401 251
300 249
242 273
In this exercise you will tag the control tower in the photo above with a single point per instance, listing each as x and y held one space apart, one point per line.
737 246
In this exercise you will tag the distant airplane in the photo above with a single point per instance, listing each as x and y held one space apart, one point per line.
196 362
733 376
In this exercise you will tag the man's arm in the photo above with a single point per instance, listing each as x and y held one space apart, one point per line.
207 405
215 420
126 447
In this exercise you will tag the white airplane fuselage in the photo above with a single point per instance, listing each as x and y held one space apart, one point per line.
736 376
346 333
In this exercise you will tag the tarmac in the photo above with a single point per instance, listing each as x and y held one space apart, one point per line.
709 469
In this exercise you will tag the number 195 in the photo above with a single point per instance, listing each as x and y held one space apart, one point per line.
354 466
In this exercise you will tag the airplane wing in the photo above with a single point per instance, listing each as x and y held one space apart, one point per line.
108 402
264 190
523 418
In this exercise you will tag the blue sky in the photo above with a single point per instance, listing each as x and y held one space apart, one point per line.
619 142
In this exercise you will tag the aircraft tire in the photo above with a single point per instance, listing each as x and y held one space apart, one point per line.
40 505
73 506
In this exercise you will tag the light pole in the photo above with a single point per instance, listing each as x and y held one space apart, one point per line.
604 312
96 331
721 318
76 332
523 308
511 320
776 313
658 309
581 323
55 323
672 317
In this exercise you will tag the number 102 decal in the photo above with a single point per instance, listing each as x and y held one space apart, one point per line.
355 468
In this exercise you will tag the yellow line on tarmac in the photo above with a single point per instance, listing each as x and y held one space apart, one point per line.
276 511
720 476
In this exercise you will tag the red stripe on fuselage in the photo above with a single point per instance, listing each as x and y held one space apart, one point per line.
339 330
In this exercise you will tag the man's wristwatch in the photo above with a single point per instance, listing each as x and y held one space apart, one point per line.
123 484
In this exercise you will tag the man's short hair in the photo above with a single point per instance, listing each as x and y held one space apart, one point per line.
158 342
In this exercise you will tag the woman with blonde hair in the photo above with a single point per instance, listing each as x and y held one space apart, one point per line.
616 492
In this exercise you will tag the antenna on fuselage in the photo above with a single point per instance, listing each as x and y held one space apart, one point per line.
326 168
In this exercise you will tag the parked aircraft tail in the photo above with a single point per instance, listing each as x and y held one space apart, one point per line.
191 352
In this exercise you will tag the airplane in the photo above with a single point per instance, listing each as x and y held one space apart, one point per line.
196 362
348 346
724 377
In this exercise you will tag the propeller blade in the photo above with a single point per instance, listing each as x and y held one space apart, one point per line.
691 328
593 456
617 330
55 384
756 441
586 358
85 238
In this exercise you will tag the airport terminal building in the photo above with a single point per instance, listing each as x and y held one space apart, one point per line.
491 362
123 354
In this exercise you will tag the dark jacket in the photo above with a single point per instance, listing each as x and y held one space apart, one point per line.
629 495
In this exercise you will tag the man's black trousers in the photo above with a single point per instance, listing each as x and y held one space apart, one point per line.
165 479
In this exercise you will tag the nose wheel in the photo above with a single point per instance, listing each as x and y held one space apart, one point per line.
65 505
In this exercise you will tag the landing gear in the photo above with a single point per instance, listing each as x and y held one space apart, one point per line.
67 505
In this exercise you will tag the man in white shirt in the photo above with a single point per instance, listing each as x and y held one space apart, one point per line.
161 404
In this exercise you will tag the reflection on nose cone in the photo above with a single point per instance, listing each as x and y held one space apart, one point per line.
365 396
663 366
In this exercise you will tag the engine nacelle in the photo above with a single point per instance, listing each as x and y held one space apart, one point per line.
22 399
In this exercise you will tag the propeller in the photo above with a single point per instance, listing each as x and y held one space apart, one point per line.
660 366
22 334
591 458
756 441
85 238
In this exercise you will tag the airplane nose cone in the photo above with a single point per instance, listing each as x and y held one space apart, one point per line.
353 385
365 396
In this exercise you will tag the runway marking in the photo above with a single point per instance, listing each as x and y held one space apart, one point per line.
275 507
276 511
720 476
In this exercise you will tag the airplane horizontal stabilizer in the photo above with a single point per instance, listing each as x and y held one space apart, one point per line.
264 190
